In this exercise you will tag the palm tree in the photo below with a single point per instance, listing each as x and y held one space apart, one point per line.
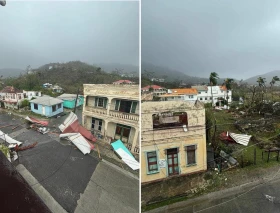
213 82
261 81
272 82
228 84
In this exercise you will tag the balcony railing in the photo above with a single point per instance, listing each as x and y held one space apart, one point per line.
101 111
123 115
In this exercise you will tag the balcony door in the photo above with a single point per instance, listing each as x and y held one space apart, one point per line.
122 132
125 106
172 161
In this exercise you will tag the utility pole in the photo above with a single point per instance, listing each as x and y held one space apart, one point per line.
76 101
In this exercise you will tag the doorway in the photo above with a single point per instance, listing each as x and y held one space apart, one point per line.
172 161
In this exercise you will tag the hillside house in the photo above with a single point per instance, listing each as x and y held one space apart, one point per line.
187 94
70 99
31 94
57 89
173 139
205 94
155 89
11 97
47 106
123 82
112 110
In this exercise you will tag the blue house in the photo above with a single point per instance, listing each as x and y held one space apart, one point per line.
70 99
47 106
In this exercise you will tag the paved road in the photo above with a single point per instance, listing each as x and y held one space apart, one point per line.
68 175
245 199
110 190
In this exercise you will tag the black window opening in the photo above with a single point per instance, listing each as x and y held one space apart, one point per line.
53 108
96 124
36 106
191 154
152 161
59 106
170 120
126 106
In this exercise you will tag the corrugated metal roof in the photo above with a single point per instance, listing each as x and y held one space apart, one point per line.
47 101
185 91
69 97
240 138
200 88
10 89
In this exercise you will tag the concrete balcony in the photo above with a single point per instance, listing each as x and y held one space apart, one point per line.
124 116
101 111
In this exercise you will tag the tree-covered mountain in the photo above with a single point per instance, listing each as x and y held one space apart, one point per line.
170 75
70 76
268 77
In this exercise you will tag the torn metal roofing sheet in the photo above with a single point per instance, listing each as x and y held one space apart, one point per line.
80 142
34 120
130 161
240 138
125 154
68 121
119 144
8 139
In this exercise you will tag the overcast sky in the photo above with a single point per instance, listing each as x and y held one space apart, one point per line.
234 38
37 33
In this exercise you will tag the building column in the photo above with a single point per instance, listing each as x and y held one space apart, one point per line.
135 139
109 104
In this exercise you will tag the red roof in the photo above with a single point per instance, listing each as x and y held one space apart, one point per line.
76 127
123 81
10 89
152 86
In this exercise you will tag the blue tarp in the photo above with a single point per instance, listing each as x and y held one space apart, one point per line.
119 144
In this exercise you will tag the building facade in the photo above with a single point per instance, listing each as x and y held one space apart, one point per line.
205 93
155 89
31 94
11 97
112 111
173 139
69 100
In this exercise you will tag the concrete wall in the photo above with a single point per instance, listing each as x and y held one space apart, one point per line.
160 140
183 185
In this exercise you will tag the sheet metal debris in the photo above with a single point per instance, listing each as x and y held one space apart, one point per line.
8 139
125 154
80 142
37 121
76 133
233 137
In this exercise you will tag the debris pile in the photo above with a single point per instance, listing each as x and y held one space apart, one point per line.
76 133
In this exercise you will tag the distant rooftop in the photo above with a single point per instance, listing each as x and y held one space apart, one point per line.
152 86
47 101
10 89
123 82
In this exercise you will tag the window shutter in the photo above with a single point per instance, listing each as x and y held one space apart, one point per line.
117 105
105 103
96 101
133 107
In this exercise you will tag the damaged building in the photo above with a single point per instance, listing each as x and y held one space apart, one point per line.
173 139
111 111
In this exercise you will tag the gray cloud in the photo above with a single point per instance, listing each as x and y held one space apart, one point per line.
36 33
233 38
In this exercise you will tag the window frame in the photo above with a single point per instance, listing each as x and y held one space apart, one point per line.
195 155
36 107
147 162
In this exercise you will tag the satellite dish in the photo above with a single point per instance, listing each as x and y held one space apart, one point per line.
2 2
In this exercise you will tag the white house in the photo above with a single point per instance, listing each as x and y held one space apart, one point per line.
205 94
31 94
186 94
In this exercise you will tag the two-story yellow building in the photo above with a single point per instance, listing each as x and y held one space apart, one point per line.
173 139
112 110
